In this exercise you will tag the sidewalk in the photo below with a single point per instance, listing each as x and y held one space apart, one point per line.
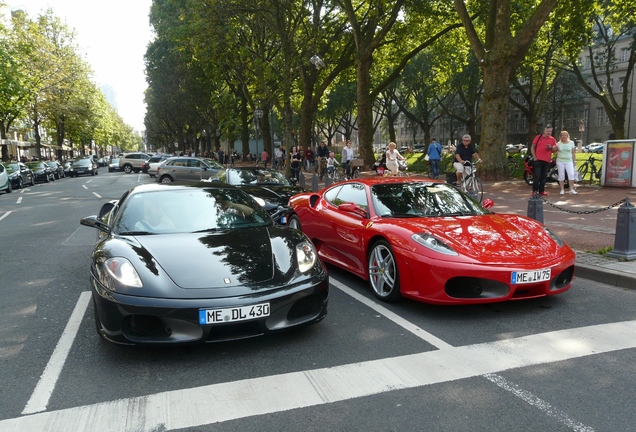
585 221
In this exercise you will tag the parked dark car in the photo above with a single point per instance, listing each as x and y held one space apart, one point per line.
268 185
19 175
57 168
41 171
86 166
177 264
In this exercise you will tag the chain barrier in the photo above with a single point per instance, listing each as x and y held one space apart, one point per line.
585 211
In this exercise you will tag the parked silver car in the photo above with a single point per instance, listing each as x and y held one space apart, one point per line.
184 168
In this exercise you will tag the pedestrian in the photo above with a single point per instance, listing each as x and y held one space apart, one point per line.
295 162
309 159
464 153
434 156
347 157
278 158
392 157
221 157
265 158
542 149
566 155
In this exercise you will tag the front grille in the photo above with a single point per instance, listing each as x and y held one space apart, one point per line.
146 326
305 307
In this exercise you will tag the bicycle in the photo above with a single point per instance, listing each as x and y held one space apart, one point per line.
512 167
471 184
403 166
590 166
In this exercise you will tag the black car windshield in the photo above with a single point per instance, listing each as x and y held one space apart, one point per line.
418 199
35 165
194 209
83 162
254 176
11 168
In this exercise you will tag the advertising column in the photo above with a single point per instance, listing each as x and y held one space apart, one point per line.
618 164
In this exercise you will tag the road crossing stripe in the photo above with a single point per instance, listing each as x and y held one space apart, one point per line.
257 396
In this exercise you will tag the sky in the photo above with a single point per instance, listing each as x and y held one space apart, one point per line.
112 37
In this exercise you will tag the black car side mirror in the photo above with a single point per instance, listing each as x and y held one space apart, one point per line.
94 222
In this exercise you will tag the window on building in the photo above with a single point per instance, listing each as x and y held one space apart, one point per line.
624 54
621 82
588 62
607 122
611 84
599 116
524 122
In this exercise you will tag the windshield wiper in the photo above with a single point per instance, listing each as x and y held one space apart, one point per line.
210 230
455 214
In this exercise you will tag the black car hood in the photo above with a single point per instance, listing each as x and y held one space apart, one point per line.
245 257
276 194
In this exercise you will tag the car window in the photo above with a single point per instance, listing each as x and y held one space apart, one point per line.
353 192
194 163
1 168
331 194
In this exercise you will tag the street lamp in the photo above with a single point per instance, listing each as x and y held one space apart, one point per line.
258 115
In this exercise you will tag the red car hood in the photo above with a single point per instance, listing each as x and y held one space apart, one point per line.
494 239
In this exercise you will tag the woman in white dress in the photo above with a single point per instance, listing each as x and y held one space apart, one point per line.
392 157
565 161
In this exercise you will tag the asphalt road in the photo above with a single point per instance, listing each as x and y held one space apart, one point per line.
552 364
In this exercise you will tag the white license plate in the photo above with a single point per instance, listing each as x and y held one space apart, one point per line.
243 313
524 277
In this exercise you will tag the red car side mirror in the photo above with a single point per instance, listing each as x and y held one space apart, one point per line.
352 208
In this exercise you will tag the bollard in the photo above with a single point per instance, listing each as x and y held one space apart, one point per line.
535 208
301 179
328 180
314 183
625 237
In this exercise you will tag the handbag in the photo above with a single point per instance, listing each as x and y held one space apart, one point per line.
426 158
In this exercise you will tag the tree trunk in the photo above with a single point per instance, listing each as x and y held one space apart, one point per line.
365 112
495 121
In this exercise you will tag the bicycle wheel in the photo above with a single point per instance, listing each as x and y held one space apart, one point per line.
356 173
512 167
583 171
477 189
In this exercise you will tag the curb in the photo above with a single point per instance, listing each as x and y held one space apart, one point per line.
606 276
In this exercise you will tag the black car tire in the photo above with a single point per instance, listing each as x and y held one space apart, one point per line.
46 179
166 179
9 187
128 168
32 180
20 185
98 323
294 222
381 264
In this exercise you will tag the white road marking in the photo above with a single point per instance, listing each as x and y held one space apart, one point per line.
5 215
97 195
417 331
234 400
538 403
42 393
19 200
24 190
84 186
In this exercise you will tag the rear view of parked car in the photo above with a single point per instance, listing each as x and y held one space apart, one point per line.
41 171
85 166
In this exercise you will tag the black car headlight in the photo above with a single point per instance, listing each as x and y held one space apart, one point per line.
555 237
306 256
430 242
122 271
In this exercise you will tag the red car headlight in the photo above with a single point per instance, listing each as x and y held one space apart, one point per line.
430 242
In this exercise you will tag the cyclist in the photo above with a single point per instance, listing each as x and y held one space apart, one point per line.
464 153
323 154
331 164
